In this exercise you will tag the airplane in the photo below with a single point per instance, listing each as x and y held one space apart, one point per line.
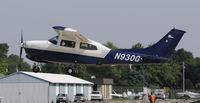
70 46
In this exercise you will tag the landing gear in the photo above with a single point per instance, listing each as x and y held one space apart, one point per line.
36 68
72 69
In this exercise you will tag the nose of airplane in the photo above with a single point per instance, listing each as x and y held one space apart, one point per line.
25 44
22 45
35 44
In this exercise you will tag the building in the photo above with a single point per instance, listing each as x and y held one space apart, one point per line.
29 87
104 85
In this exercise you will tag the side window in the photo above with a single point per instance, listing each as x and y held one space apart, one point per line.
67 43
88 46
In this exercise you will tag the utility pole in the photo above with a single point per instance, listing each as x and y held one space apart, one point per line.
183 77
17 69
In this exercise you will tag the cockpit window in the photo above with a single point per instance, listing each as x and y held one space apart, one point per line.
54 40
67 43
88 46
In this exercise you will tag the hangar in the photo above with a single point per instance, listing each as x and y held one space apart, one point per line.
29 87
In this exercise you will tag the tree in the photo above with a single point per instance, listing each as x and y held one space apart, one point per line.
163 75
138 76
111 45
3 52
197 86
3 66
189 84
13 64
137 45
82 72
54 68
3 57
180 56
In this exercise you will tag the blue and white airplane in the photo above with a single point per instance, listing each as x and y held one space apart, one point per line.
69 46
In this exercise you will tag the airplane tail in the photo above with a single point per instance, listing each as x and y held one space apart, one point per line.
165 47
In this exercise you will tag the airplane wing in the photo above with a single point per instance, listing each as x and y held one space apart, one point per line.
70 33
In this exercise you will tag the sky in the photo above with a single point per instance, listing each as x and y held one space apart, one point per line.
123 22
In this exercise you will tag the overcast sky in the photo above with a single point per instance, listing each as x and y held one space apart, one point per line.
123 22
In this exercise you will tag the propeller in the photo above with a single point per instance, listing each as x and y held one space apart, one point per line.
21 45
21 50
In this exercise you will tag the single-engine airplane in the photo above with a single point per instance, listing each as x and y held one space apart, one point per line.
69 46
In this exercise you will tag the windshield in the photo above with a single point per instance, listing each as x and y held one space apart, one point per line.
79 94
61 95
54 40
159 91
95 92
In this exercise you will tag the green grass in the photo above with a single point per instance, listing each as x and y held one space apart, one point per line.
194 99
122 99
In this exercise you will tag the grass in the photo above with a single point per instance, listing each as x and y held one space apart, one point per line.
122 99
194 99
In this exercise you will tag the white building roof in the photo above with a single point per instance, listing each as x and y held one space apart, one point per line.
57 78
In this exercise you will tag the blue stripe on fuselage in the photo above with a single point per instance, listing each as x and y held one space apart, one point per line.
53 56
113 57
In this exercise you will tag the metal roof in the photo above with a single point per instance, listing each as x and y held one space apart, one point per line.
101 81
57 78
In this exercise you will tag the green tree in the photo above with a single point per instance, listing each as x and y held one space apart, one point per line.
193 70
111 45
163 75
180 56
13 64
54 68
3 66
137 77
3 52
3 57
197 85
82 72
189 84
137 45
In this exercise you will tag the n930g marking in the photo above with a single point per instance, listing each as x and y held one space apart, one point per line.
127 57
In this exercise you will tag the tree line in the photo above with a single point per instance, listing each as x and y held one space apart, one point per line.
152 75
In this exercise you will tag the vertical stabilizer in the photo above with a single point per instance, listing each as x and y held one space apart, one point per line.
165 47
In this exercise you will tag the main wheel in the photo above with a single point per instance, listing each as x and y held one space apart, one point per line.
186 97
72 70
69 70
36 69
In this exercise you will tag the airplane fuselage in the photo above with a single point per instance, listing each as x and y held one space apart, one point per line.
45 51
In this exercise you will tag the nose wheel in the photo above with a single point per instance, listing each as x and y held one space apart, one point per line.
36 68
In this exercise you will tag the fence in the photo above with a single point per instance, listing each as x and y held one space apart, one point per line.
121 89
170 93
